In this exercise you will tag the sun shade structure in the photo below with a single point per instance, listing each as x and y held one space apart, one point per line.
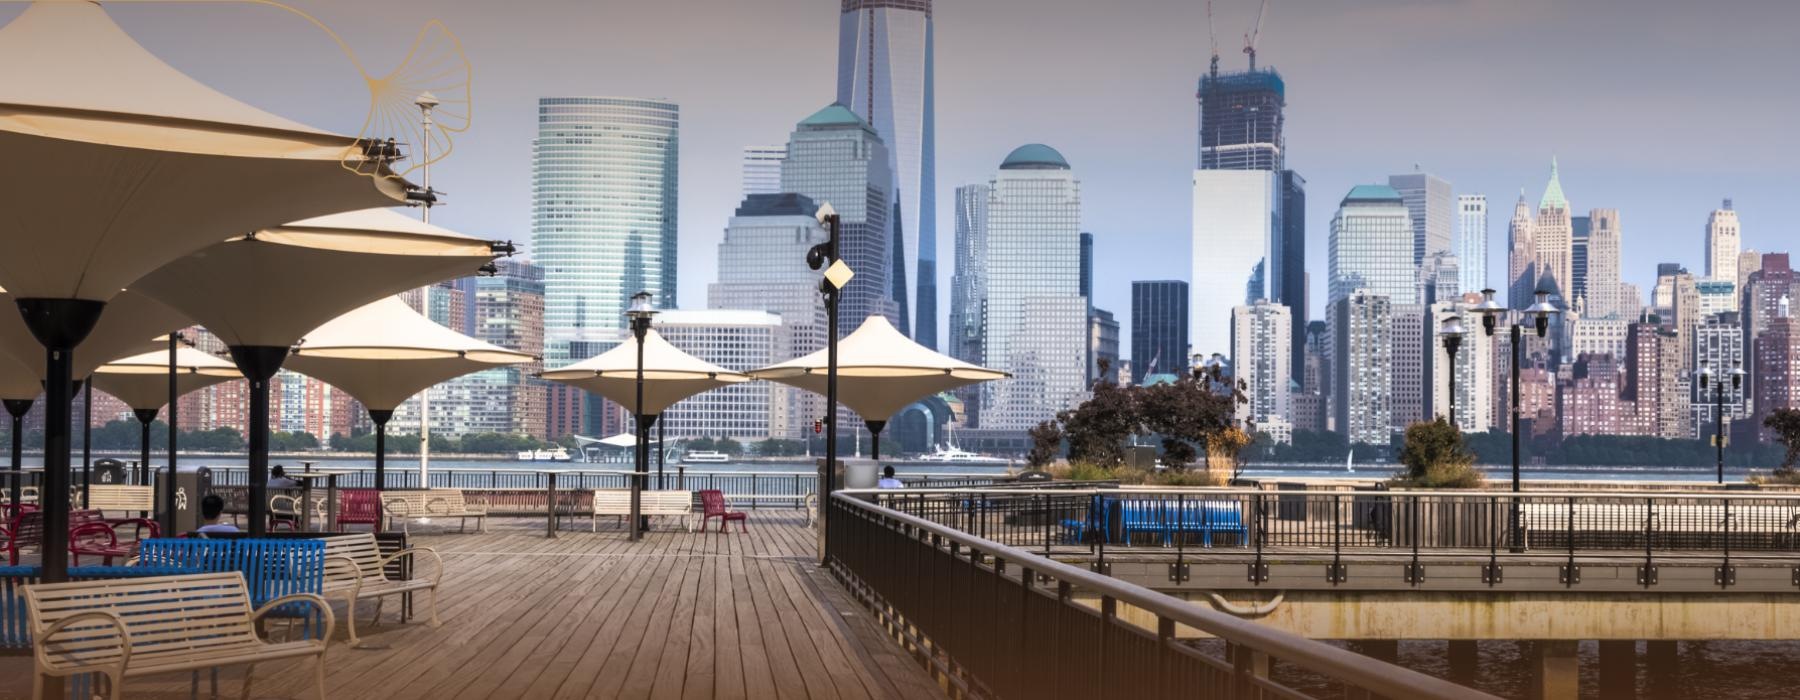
133 324
19 388
384 353
262 292
880 371
142 382
670 375
117 163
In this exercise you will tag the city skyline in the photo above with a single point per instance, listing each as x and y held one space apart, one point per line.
1136 162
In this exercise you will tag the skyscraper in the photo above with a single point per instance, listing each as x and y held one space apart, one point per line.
1036 318
1371 246
1159 332
1241 120
738 340
885 75
835 157
968 284
1087 266
1722 243
1577 286
1430 204
1236 215
762 169
1472 240
1719 344
1522 269
1552 235
1287 258
1260 334
603 213
1604 294
1362 372
762 267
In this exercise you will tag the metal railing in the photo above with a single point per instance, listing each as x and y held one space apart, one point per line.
998 621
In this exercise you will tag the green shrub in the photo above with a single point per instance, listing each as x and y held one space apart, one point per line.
1434 457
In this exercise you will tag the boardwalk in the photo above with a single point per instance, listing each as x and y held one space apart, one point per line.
677 615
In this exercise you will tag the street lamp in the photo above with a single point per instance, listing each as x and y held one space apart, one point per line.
1737 380
1540 314
1453 332
837 274
640 313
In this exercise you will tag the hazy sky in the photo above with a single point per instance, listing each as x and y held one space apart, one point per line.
1654 107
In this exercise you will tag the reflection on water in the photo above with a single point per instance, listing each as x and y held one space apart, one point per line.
1712 669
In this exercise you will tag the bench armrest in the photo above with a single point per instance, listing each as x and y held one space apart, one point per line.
317 602
342 568
436 576
437 503
122 644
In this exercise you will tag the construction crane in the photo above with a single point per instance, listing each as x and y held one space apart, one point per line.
1255 31
1214 38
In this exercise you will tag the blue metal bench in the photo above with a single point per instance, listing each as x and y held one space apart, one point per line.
1170 517
15 627
272 568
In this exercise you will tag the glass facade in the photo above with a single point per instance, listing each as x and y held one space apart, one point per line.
1241 121
1236 216
835 157
968 285
1429 203
762 169
1472 240
603 213
1159 334
738 341
1363 366
1036 319
1371 246
885 75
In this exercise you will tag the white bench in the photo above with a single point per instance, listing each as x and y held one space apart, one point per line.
355 570
617 502
122 497
433 503
139 626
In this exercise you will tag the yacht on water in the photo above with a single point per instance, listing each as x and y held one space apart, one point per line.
552 455
951 454
707 456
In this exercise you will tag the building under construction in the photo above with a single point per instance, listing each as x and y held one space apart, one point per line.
1240 120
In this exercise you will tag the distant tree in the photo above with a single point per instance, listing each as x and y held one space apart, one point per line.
1098 428
729 446
1192 412
1046 442
775 447
280 441
1433 456
1785 422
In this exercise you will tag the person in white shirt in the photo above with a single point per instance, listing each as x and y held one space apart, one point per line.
888 481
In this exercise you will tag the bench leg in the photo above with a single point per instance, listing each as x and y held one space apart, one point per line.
434 610
319 674
249 673
350 620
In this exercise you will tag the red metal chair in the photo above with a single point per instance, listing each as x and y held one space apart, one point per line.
712 503
359 507
24 532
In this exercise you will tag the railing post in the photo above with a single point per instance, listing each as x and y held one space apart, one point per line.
1109 613
1165 639
1726 575
1049 522
1259 572
1336 573
550 503
1647 573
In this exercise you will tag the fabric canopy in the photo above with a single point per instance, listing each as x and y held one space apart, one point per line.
384 353
117 163
142 381
880 371
19 380
670 375
271 288
131 325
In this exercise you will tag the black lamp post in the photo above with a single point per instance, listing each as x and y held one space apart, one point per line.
1540 314
174 427
1452 331
640 313
837 274
1737 380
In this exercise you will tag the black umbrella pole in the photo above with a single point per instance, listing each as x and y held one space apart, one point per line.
18 408
87 440
380 418
259 364
174 430
60 325
875 428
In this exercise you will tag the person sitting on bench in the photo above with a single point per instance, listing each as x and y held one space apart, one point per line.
212 509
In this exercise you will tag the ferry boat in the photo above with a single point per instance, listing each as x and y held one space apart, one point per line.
708 456
951 454
554 455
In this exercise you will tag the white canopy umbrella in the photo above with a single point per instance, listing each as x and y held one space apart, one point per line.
117 163
880 371
260 293
142 382
384 353
134 324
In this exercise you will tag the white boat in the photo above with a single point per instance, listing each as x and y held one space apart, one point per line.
708 456
951 454
553 455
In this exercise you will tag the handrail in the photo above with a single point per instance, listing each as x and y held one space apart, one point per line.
1362 671
1231 491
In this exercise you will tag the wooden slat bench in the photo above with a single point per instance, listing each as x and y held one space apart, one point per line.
617 502
401 506
131 627
122 498
356 570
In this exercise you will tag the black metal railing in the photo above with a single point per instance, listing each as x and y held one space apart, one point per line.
998 621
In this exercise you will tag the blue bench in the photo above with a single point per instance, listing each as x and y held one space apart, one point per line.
14 625
1168 518
272 568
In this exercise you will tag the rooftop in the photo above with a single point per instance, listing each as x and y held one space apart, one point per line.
716 317
1034 156
784 204
1372 193
835 115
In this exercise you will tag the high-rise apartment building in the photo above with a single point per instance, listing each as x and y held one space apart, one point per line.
1773 281
736 340
1415 342
762 169
1577 286
1371 246
509 312
1474 369
1749 261
1103 346
1430 204
885 76
1602 291
1472 240
1036 319
1236 215
1522 269
835 157
1722 243
603 213
1159 318
1719 346
1260 359
1591 403
1362 373
1776 367
968 283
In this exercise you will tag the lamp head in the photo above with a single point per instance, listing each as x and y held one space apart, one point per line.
1541 312
1489 310
427 101
641 306
818 256
825 212
1705 374
1737 375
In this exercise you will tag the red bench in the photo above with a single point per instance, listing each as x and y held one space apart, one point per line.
93 535
713 503
359 507
25 531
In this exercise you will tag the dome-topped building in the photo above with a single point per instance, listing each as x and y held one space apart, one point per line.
1034 156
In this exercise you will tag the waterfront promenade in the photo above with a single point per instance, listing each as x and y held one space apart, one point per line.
678 615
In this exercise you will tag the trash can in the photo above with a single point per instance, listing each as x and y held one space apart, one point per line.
860 473
110 471
191 484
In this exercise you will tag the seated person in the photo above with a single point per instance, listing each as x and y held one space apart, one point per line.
212 507
888 481
278 479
